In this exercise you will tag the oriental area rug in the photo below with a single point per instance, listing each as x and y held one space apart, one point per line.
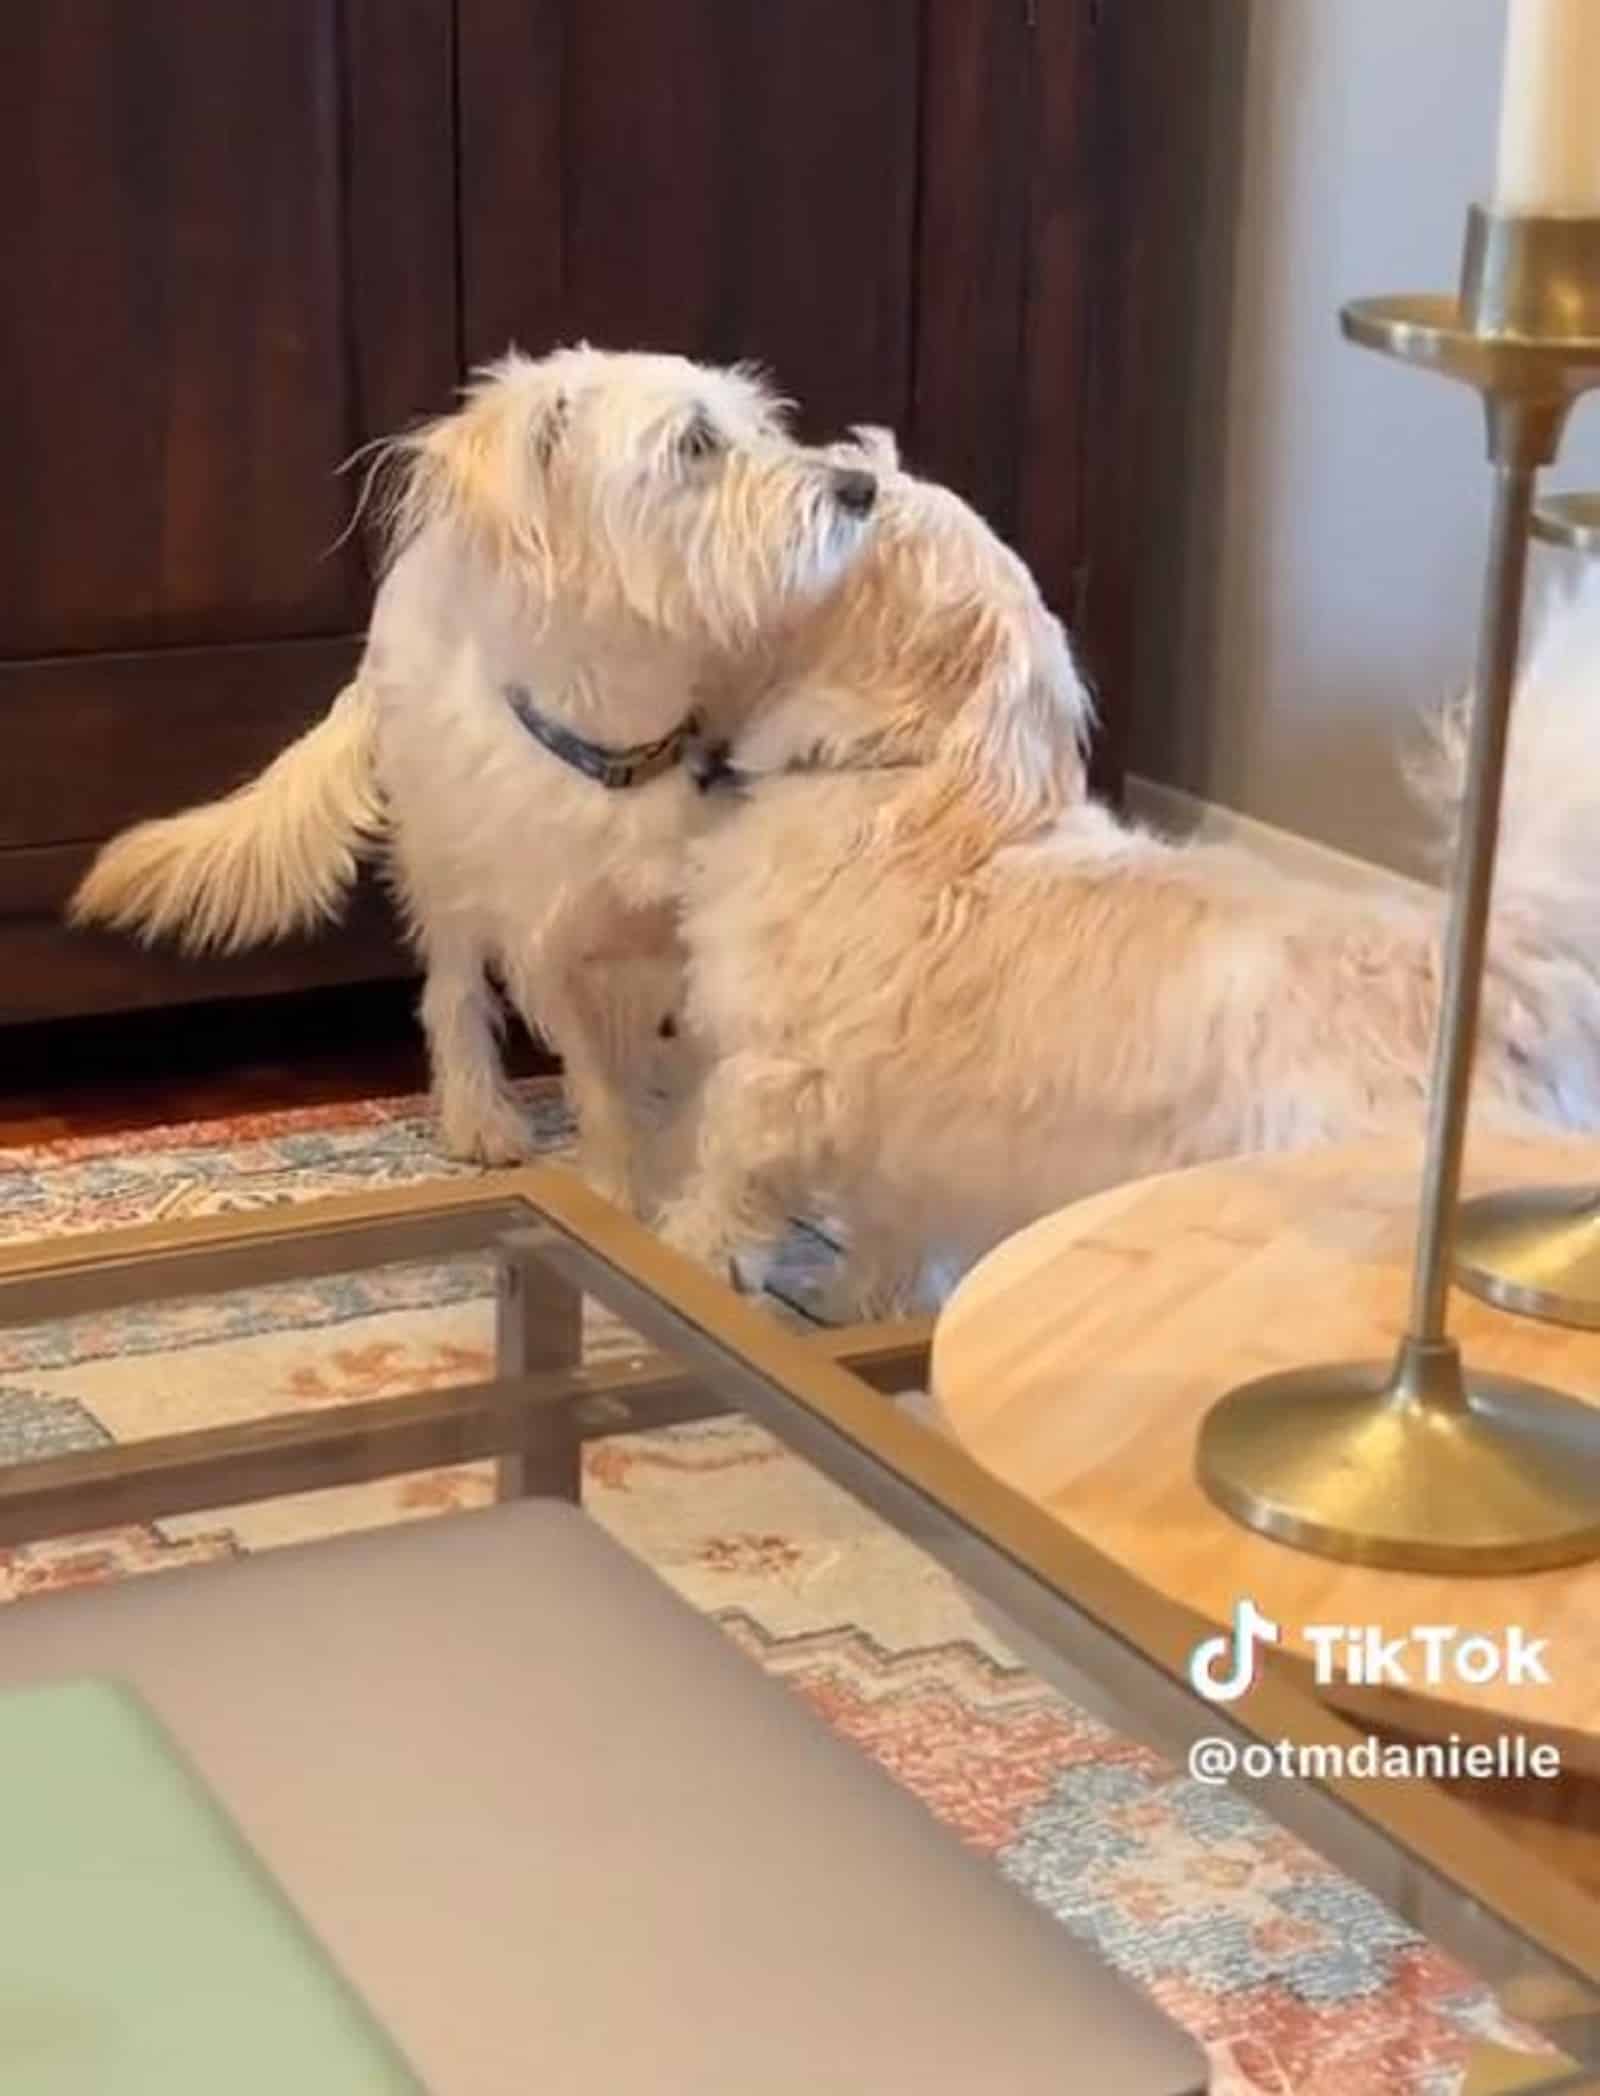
1295 1980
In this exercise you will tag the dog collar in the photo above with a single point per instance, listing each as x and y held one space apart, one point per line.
713 770
616 770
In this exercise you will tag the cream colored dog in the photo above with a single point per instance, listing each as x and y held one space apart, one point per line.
578 561
947 993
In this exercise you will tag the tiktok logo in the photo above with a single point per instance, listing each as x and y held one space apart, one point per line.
1236 1651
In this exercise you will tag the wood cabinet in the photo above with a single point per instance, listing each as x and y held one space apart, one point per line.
245 240
229 260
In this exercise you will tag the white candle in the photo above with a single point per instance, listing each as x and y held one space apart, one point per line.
1550 108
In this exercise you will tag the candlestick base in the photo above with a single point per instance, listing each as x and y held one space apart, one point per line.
1569 521
1424 1466
1534 1250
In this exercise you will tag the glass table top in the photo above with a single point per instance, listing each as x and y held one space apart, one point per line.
407 1332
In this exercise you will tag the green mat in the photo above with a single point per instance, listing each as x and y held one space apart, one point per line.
143 1947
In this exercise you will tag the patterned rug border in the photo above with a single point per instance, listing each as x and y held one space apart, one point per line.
227 1131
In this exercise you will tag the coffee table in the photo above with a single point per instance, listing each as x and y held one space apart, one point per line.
1076 1363
1525 1928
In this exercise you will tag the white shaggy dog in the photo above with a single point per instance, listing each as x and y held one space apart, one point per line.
579 558
946 993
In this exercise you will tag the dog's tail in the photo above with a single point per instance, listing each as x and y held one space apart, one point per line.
1549 855
275 857
1544 940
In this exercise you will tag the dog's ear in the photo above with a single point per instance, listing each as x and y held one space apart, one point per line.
1014 753
481 473
1017 746
549 427
879 445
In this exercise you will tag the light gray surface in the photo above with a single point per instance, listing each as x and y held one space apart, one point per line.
1315 523
564 1837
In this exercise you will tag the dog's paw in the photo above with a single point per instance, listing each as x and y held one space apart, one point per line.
698 1234
497 1133
611 1173
751 1267
837 1300
855 1294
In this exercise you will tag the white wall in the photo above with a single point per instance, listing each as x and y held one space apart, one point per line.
1317 523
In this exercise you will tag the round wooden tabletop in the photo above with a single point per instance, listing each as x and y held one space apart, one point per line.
1078 1360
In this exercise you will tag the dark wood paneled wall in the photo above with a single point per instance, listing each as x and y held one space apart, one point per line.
230 260
729 181
245 240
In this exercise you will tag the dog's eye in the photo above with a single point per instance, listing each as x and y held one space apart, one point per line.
702 440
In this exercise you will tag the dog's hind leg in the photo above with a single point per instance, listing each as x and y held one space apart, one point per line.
577 1020
598 984
479 1118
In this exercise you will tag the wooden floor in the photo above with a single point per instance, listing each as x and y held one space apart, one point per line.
96 1076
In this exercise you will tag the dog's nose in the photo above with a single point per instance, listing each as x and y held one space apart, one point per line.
855 491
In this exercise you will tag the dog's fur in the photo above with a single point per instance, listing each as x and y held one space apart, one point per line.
945 999
614 532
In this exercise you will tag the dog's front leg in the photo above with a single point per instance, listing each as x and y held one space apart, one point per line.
762 1123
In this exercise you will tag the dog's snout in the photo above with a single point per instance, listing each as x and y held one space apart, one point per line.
855 491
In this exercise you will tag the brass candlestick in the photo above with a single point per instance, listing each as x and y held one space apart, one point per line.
1536 1250
1572 521
1425 1464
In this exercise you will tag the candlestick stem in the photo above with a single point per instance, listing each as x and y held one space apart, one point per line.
1498 646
